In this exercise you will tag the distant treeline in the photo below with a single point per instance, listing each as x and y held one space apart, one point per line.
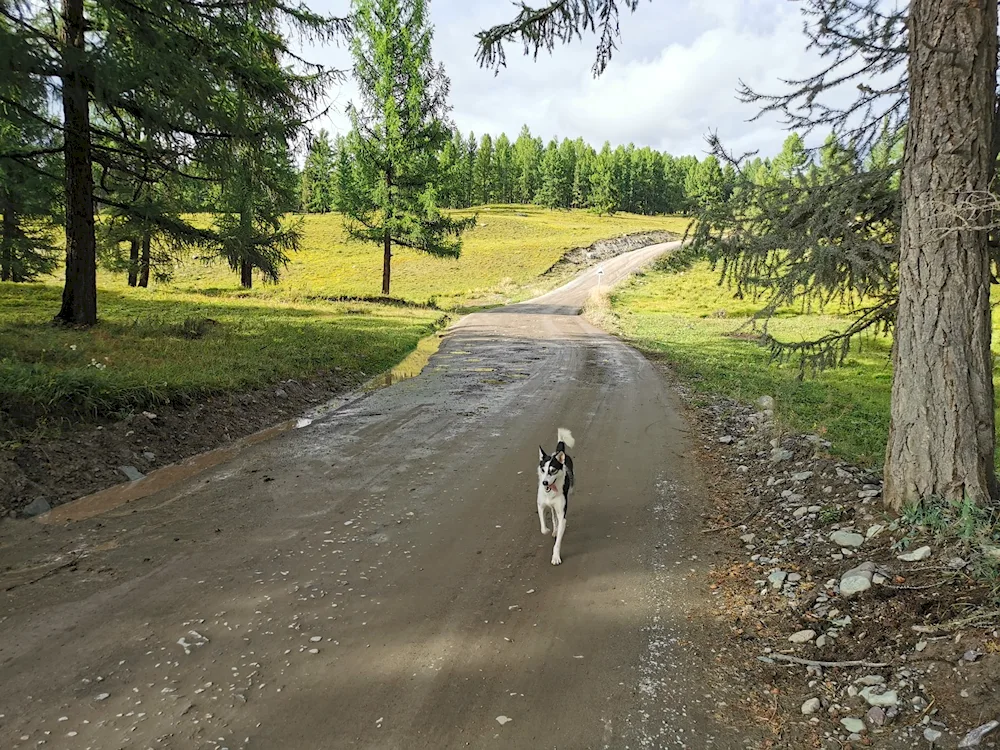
566 174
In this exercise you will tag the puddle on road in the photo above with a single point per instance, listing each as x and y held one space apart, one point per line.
410 367
121 494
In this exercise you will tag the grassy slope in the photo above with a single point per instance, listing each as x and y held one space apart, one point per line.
676 315
272 332
157 346
510 247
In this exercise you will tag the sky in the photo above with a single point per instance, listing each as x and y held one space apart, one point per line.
673 80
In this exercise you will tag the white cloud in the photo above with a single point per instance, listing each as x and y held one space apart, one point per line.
673 80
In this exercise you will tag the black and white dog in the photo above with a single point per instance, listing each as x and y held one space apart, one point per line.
555 482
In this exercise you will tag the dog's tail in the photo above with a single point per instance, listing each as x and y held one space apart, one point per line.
565 438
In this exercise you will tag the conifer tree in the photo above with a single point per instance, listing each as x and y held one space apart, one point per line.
317 175
399 127
120 70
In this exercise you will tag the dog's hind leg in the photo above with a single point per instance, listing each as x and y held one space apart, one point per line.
560 530
541 518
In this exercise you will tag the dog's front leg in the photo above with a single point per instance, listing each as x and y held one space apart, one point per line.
560 530
541 518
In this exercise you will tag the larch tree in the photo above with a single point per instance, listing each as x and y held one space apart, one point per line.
400 126
29 199
933 65
604 184
527 162
504 170
317 175
119 69
483 172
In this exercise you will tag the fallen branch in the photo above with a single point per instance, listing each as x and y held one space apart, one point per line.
734 525
983 618
813 663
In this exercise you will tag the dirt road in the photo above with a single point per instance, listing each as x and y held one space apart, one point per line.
377 578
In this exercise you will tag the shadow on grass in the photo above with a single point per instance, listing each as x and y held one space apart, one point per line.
147 350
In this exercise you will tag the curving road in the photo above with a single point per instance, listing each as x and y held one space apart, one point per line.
377 578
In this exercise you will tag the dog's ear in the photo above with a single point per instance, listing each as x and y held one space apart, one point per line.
561 457
542 455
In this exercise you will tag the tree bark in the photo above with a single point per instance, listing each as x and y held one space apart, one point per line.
79 301
246 274
8 233
386 261
387 243
941 434
133 262
144 261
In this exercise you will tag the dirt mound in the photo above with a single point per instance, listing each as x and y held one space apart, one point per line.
41 473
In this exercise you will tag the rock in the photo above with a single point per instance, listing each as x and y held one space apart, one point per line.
992 551
871 679
131 473
102 697
857 580
854 726
878 579
803 636
845 538
748 538
801 511
867 494
916 555
765 403
972 655
977 735
811 706
149 455
876 717
874 531
742 469
35 508
821 641
801 476
149 415
281 393
921 645
777 578
794 577
727 440
932 735
880 699
779 455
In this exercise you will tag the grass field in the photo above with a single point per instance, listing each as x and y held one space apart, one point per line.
680 317
203 334
508 249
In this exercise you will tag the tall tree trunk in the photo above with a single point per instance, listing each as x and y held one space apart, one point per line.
387 242
941 435
386 261
79 301
133 262
246 274
8 234
145 260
